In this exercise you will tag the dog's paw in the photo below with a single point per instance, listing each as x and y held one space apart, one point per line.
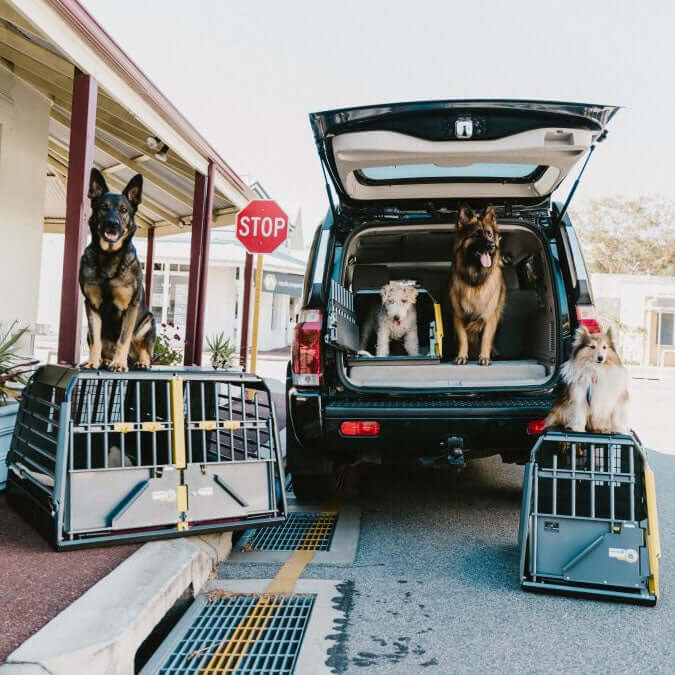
461 359
91 363
141 365
484 361
118 366
363 352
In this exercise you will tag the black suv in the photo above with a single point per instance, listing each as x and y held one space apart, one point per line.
396 175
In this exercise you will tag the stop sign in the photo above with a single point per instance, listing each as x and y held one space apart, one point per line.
262 226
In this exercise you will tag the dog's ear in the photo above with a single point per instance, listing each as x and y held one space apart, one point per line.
411 293
610 337
97 185
134 190
582 337
464 216
490 217
384 291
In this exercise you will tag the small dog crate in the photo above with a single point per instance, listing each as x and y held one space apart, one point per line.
100 457
588 522
348 311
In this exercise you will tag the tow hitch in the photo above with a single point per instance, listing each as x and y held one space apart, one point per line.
453 454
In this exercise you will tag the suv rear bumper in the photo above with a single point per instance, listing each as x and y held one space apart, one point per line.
415 427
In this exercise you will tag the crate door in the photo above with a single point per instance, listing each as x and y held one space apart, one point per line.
343 327
121 473
233 469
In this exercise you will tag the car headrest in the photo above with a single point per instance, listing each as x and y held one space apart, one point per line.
369 277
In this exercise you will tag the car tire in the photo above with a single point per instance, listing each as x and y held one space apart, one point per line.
315 486
313 476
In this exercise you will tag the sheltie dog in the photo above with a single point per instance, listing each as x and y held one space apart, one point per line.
596 396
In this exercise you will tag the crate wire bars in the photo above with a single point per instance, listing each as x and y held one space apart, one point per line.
588 523
99 457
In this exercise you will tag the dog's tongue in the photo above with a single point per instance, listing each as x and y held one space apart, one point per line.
111 236
485 259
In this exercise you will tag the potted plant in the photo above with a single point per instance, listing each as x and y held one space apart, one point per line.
168 346
221 350
13 372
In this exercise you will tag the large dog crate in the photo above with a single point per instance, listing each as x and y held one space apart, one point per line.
588 522
99 457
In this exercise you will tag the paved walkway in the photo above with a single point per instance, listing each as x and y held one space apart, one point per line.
37 582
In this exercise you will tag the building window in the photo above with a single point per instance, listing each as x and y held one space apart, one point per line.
276 312
666 325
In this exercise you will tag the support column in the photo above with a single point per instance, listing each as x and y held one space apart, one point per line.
81 156
149 264
245 309
196 248
204 273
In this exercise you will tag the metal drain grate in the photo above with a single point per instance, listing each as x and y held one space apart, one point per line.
302 531
248 633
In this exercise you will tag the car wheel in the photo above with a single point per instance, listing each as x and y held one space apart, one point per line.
315 486
313 476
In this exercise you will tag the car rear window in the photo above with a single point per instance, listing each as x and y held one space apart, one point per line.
434 172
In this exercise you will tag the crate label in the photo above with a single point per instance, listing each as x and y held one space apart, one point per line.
164 496
205 491
551 526
629 555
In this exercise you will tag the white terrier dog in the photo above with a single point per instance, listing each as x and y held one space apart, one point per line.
596 397
395 319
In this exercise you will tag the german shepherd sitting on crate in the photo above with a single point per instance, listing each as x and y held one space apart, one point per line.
477 288
121 328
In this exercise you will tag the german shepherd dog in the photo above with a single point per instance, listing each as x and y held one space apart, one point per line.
477 289
121 328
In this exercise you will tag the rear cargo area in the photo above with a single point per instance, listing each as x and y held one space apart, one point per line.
526 341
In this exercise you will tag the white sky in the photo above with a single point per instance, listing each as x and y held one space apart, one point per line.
246 74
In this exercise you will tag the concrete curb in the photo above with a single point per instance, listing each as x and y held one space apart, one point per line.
101 631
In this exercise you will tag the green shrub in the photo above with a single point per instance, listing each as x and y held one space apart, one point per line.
222 351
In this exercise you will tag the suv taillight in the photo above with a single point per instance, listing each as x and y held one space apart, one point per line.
306 355
587 317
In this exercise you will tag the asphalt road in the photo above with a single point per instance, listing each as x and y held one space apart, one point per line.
434 586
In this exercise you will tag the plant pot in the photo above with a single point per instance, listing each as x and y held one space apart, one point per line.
8 414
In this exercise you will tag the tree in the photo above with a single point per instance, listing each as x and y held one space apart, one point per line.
627 236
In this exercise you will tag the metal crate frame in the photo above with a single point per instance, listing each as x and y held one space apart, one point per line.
600 493
194 451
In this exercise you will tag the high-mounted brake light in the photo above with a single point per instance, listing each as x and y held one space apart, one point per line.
306 353
536 427
587 317
360 428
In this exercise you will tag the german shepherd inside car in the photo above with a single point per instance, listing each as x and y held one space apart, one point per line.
477 288
121 328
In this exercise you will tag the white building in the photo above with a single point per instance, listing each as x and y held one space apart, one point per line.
282 288
643 308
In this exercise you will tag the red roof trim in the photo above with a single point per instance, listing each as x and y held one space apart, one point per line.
92 32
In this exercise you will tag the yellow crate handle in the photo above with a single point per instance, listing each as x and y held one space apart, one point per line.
231 425
123 427
207 425
152 426
653 536
438 315
178 419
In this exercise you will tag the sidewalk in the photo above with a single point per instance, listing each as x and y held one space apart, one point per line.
37 582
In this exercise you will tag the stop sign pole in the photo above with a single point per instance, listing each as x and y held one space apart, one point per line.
262 226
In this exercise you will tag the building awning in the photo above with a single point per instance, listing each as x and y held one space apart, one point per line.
41 43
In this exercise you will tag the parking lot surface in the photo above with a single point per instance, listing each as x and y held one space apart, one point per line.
434 585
